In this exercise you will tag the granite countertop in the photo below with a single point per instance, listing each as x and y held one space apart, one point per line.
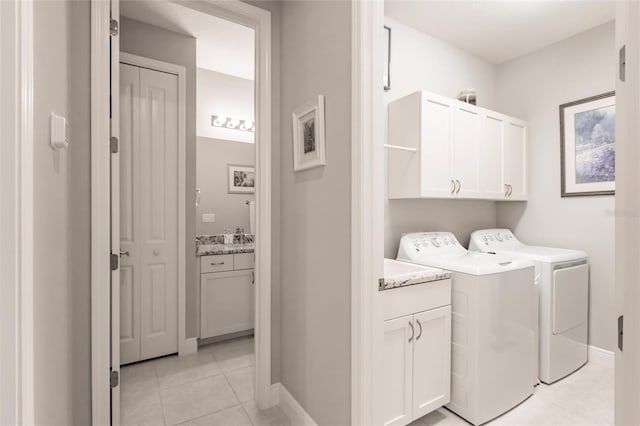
207 249
400 274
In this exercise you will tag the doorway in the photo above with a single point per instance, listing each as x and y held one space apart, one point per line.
257 279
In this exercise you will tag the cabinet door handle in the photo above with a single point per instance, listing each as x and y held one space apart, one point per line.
420 333
453 187
510 190
412 331
506 190
459 186
253 277
217 263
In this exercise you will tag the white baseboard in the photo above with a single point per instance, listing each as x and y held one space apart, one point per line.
297 414
601 356
190 346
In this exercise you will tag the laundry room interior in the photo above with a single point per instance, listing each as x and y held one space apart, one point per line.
463 80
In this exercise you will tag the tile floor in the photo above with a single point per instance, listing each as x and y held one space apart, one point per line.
213 387
584 398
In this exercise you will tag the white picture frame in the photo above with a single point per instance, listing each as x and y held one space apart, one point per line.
309 136
241 179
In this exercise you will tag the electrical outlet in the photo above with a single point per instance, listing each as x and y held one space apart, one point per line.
208 217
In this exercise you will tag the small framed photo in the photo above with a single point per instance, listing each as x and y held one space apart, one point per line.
242 179
308 136
587 141
387 58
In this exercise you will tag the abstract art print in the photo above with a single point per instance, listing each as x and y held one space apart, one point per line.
588 151
308 135
242 179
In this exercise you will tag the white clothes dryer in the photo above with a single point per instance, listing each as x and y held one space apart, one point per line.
493 324
563 277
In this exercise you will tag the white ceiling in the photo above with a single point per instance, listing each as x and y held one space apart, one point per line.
221 45
498 31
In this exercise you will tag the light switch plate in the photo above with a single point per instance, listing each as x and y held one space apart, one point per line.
208 217
59 130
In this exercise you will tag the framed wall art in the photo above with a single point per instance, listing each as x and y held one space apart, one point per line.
242 179
587 142
308 136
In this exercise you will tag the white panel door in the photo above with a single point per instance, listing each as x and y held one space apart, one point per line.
466 144
129 191
226 302
158 213
149 215
515 159
492 184
398 371
431 360
435 153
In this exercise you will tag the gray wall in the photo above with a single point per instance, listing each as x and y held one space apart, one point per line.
163 45
532 87
315 213
62 204
420 61
211 164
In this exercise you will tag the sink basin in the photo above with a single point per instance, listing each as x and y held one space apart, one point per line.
396 269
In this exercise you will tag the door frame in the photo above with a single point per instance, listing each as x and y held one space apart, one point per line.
367 210
17 366
235 11
185 346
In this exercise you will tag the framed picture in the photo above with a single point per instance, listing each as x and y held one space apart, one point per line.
242 179
587 143
387 58
308 136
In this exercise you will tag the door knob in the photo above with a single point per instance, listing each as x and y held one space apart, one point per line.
156 252
124 253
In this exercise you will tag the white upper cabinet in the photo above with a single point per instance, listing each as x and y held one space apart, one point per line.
444 148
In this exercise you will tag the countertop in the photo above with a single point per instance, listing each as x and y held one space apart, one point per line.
400 274
208 249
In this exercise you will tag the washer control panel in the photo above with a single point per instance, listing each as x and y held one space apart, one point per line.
430 243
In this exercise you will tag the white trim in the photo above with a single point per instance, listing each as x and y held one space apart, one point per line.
601 356
291 407
238 12
190 346
100 214
181 73
367 221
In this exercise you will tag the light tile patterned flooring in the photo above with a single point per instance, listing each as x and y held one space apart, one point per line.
211 388
585 398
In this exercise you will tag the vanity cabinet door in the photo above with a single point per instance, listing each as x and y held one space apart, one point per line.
226 302
431 360
398 375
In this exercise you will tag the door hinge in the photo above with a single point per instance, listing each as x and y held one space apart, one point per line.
113 144
114 379
114 262
113 27
620 331
622 63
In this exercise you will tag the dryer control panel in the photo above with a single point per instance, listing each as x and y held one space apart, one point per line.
488 239
430 244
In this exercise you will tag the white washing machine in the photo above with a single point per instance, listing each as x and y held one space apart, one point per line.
564 299
493 324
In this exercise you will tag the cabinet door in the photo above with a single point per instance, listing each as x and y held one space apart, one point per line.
492 185
436 146
431 360
515 159
467 125
226 303
398 370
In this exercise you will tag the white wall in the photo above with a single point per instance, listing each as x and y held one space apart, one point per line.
62 213
532 87
211 164
420 61
316 213
223 94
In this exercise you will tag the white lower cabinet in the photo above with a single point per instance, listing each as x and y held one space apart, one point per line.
417 365
227 296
